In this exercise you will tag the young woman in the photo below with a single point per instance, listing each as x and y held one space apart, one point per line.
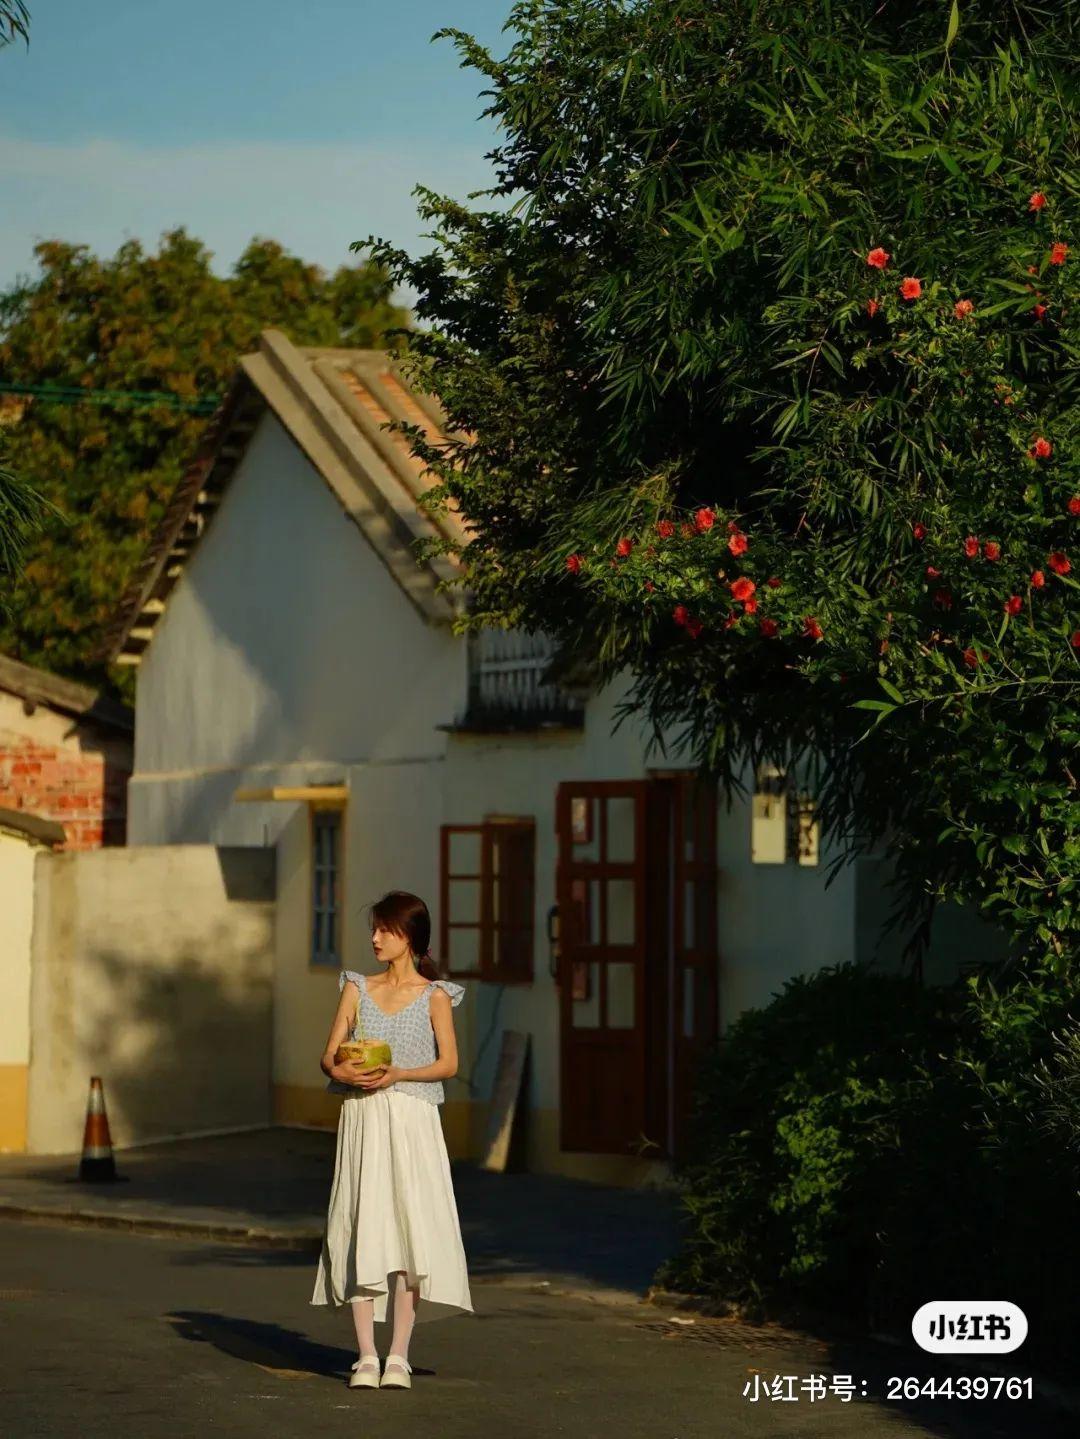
392 1222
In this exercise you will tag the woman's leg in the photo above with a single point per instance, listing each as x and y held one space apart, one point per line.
406 1302
363 1313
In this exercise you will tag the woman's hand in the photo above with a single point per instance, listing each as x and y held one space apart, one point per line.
380 1078
346 1073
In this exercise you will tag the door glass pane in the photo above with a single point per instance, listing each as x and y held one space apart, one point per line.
464 949
592 911
689 916
620 995
620 829
585 1013
584 827
688 1001
620 911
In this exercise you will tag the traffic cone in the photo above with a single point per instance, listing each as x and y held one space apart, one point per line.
97 1157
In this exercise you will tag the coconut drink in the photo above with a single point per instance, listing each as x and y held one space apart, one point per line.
368 1053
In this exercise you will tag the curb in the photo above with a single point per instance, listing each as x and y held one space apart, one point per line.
242 1234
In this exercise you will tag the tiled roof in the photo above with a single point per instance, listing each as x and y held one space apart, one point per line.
335 404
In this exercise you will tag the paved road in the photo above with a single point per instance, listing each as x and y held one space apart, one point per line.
105 1334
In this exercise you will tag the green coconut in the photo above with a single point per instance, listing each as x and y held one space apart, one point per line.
369 1053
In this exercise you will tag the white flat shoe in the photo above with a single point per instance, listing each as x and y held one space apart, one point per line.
397 1373
365 1373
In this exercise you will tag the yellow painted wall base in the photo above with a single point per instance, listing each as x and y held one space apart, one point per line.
14 1082
464 1125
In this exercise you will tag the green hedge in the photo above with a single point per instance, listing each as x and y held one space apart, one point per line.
865 1144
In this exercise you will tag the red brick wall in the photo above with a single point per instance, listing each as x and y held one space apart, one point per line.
84 789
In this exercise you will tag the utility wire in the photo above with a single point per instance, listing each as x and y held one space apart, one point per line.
72 395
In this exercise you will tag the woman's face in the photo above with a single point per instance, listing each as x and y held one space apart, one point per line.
387 945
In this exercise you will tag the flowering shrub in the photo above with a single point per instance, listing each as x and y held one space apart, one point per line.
794 302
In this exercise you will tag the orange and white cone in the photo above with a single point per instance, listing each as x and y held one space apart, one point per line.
97 1157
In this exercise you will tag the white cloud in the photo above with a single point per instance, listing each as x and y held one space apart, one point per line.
314 198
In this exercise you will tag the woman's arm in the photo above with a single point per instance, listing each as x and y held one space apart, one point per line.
343 1023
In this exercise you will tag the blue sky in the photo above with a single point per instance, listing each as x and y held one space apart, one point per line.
309 121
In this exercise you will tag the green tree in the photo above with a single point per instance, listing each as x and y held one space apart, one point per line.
22 509
765 388
146 323
14 21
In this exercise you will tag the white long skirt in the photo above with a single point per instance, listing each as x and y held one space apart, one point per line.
392 1207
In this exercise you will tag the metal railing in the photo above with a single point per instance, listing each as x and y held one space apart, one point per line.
507 689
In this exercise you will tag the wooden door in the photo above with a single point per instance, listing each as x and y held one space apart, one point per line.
601 887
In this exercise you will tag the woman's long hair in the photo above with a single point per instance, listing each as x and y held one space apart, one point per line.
407 914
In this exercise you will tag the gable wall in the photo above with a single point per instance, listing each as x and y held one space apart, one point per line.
285 643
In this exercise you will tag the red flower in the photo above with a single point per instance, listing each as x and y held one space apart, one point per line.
573 564
680 614
1037 201
992 550
769 628
732 619
962 308
750 606
1075 641
649 586
910 289
943 598
811 628
918 529
970 657
971 547
773 582
932 572
1074 505
878 258
1038 311
704 519
693 628
738 543
1013 605
872 307
1058 563
742 588
665 529
1041 449
1038 579
623 548
1058 251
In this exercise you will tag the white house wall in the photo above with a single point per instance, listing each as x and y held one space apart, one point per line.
286 651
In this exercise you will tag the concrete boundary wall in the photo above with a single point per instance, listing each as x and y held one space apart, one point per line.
153 968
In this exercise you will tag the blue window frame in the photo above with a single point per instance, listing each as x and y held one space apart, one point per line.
326 887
